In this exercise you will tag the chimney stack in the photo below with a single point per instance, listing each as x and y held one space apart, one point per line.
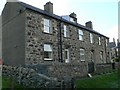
73 15
48 7
89 25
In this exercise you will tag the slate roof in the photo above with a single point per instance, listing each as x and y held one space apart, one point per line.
27 6
112 45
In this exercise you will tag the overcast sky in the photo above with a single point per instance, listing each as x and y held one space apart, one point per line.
103 13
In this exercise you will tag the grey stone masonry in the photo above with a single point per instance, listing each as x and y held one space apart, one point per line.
35 37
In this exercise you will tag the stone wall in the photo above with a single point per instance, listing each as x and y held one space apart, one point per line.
49 75
61 70
35 38
29 77
103 68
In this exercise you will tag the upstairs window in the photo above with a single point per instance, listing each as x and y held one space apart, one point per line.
47 52
106 42
80 35
72 20
82 54
91 38
99 41
47 26
66 31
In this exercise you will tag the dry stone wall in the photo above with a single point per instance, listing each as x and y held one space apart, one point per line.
29 77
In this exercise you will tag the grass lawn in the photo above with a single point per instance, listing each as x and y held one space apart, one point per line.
99 81
9 83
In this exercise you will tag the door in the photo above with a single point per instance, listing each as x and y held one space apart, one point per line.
90 67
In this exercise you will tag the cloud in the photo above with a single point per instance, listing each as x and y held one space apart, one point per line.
113 32
60 7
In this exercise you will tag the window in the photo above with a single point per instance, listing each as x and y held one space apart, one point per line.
66 56
66 31
80 35
91 38
72 20
82 54
47 52
92 56
101 57
47 26
99 41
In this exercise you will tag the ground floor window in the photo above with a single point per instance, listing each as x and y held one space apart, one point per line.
101 57
66 53
47 52
82 54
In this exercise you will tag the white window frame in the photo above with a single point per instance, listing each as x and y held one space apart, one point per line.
99 41
91 38
80 34
67 60
48 49
66 31
47 25
82 54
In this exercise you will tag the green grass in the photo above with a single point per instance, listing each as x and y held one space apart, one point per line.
99 81
9 83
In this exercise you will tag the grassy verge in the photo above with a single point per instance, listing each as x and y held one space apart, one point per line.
100 81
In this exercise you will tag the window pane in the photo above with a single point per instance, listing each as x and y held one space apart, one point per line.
47 55
99 41
47 47
46 22
66 56
80 32
80 37
82 54
46 29
101 56
47 26
91 38
66 31
66 53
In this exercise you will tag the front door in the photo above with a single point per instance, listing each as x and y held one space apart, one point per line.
91 63
90 67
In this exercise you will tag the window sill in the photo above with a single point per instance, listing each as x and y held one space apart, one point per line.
48 33
82 60
67 37
48 59
81 40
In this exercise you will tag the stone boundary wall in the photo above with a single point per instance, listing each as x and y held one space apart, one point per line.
45 75
103 68
117 65
29 77
63 71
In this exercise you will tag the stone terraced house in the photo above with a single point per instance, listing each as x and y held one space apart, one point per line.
32 36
